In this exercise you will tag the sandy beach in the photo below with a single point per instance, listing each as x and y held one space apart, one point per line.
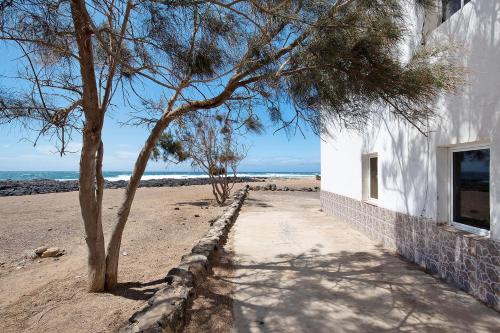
45 295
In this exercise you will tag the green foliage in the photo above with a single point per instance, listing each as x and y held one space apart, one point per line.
169 147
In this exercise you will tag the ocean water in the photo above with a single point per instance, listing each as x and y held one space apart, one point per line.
125 175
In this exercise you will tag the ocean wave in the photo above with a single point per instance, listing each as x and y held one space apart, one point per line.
126 177
119 176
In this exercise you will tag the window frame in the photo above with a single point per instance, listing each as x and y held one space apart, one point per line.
367 187
451 222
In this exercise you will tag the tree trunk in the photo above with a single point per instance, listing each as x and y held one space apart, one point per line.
113 251
90 193
91 207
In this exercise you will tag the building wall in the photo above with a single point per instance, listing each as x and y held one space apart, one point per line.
414 170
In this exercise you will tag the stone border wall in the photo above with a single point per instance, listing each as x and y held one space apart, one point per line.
166 310
468 261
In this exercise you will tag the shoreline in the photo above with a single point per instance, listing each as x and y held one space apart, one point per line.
9 188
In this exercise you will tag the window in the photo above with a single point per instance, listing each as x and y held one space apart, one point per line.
369 166
450 7
374 177
471 188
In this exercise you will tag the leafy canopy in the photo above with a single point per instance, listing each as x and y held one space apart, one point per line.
331 60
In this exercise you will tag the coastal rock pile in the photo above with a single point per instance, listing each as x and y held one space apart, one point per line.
42 186
167 310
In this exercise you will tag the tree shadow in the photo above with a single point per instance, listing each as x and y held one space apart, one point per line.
212 309
138 291
250 202
197 203
348 292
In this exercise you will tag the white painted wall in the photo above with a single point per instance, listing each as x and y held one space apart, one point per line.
413 170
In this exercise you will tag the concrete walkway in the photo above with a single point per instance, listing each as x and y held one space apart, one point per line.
298 270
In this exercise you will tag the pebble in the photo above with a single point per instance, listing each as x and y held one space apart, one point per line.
196 215
49 229
51 252
41 249
31 254
177 208
125 253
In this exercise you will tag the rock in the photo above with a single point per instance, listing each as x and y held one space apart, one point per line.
196 215
177 208
183 223
30 254
125 253
51 252
40 250
49 229
318 177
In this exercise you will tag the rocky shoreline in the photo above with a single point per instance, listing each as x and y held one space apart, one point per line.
43 186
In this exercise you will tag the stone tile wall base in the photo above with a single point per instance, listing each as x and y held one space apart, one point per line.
467 261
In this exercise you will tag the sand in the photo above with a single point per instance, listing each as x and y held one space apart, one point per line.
45 295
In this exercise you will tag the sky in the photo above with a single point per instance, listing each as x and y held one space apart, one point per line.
267 152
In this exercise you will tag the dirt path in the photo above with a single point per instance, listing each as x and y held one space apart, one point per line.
298 270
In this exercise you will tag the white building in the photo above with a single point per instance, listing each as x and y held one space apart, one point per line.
436 199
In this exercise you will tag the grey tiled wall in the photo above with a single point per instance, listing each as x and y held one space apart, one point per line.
470 262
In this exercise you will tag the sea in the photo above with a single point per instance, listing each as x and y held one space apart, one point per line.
125 175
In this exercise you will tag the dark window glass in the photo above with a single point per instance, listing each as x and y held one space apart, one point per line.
374 177
450 7
471 188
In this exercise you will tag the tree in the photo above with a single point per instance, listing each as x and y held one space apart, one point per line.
210 142
329 59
